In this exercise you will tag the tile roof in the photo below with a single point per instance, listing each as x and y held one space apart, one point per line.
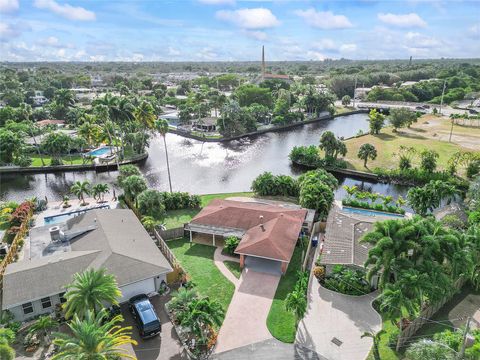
276 240
119 243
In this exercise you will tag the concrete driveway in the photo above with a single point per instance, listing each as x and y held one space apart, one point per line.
246 319
167 346
335 322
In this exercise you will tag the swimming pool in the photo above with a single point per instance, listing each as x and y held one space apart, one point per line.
60 218
370 212
100 151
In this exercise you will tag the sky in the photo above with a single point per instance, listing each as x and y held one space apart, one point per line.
235 30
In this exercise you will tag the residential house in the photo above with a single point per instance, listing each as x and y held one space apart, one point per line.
101 238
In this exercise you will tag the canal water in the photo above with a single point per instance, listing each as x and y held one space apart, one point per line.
204 168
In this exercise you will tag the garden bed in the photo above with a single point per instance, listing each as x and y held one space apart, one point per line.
346 281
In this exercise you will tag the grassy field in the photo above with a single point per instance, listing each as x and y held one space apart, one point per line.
197 261
67 160
176 218
234 267
280 322
429 132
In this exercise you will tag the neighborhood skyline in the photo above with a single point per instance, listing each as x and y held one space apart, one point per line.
230 30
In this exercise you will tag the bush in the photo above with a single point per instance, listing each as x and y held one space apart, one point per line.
347 281
267 184
319 272
378 207
418 177
150 203
231 244
318 196
305 155
126 171
180 200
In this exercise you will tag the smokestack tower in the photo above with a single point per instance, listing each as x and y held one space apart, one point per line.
263 62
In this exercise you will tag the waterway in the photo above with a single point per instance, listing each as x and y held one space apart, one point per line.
204 168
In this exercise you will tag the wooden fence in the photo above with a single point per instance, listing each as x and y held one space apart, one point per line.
172 233
426 314
315 231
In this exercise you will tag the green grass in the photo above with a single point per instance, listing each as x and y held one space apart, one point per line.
386 352
176 218
234 268
197 261
280 322
67 160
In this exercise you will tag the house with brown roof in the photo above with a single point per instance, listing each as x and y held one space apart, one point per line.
268 233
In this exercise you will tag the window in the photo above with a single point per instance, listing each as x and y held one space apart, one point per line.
62 298
46 302
27 308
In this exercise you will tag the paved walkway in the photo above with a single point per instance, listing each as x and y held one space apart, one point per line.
333 316
218 259
246 319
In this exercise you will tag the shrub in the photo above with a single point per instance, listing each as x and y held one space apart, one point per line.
347 281
429 160
231 244
305 155
180 200
318 196
126 171
319 272
150 203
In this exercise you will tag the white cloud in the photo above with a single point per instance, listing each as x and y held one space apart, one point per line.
324 19
325 44
315 55
257 18
348 48
7 6
474 30
417 40
8 31
65 10
402 20
257 35
206 53
218 2
137 57
53 42
173 52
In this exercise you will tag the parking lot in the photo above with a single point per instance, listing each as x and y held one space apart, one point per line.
166 346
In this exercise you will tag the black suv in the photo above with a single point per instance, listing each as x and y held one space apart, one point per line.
145 316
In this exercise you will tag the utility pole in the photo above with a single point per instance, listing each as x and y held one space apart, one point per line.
451 130
443 92
461 354
354 91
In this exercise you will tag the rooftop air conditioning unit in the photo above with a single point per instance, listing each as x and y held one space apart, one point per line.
54 233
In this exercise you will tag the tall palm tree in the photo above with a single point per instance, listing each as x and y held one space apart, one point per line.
367 151
89 291
64 98
145 116
80 189
42 325
394 304
102 114
162 127
99 191
376 340
94 338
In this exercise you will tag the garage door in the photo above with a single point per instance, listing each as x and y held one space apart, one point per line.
263 265
140 287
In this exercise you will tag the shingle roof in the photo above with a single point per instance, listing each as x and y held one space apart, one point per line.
342 237
119 243
277 239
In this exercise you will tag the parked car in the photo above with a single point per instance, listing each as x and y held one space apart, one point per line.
145 316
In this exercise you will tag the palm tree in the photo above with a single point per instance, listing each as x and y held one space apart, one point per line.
351 190
133 186
394 305
79 189
367 151
99 191
145 116
42 325
296 303
162 127
181 299
376 340
201 315
89 291
94 338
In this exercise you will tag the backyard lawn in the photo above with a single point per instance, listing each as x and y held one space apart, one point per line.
176 218
197 261
280 322
234 268
67 160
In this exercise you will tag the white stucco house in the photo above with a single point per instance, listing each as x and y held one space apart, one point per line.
113 239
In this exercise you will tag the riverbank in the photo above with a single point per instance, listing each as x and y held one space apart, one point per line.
427 134
206 138
70 167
